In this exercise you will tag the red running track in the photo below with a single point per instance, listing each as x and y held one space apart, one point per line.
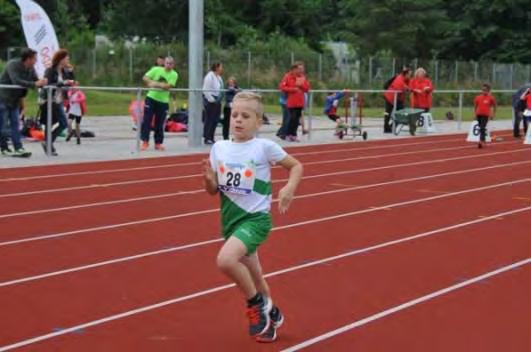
469 210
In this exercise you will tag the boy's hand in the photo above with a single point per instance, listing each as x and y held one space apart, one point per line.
208 173
285 196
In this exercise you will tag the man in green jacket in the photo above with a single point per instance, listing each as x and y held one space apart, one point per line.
157 101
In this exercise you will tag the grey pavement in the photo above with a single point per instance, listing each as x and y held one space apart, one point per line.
116 140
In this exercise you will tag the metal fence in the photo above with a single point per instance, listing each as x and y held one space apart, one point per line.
122 65
457 102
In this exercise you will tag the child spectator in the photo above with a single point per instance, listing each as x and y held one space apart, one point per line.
232 89
77 108
331 104
241 170
485 109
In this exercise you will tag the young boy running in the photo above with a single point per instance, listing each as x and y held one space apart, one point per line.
485 109
240 169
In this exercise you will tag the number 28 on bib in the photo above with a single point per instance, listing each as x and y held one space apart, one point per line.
236 177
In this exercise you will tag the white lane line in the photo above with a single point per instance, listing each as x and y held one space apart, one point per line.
406 305
170 217
303 223
181 193
172 178
197 163
143 309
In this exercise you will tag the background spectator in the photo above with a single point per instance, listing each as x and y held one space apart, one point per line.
17 72
398 83
294 85
212 94
232 89
421 90
157 101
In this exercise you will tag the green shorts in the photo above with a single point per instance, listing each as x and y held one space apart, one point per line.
252 231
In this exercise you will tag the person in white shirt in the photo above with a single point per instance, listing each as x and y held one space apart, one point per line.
212 94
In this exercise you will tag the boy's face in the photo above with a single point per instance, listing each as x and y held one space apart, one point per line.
244 121
485 90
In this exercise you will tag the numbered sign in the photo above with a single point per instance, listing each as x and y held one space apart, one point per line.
236 178
473 133
527 139
425 123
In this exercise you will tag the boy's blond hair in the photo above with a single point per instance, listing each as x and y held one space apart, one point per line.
252 97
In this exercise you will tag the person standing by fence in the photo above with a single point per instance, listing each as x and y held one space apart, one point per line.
519 106
294 85
485 109
22 73
212 94
421 90
157 101
398 84
232 89
56 76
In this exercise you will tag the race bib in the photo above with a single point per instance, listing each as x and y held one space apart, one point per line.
236 178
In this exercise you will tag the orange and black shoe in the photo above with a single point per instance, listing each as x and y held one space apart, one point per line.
258 313
277 319
159 147
144 146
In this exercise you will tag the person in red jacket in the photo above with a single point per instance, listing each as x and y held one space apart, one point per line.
485 109
398 83
421 89
294 85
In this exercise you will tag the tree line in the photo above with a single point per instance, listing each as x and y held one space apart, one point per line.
497 30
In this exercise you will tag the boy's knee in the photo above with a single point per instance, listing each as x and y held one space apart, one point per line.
225 263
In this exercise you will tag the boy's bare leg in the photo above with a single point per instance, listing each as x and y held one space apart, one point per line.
252 262
229 262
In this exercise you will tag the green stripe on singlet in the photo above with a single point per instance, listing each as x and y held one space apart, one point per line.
262 187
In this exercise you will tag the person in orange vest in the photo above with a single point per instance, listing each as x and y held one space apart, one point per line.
398 84
421 90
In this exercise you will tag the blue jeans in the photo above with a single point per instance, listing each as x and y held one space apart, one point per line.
58 116
13 114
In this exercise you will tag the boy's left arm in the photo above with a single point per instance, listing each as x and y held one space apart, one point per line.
286 193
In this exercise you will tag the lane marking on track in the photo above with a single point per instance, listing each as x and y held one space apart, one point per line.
386 207
144 309
522 198
171 217
409 304
182 193
431 191
198 163
182 177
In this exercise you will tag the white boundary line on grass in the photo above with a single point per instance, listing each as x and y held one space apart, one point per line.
140 168
272 274
207 242
406 305
181 193
181 177
213 210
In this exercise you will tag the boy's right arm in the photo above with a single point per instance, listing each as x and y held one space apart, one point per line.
209 178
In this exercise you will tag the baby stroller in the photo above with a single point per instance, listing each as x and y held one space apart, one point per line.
353 117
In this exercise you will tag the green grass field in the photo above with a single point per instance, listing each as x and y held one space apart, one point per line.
112 104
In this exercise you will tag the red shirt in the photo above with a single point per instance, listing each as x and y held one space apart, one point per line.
527 99
400 83
483 104
423 99
294 92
